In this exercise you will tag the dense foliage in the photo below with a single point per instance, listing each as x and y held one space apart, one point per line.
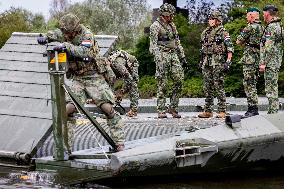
19 20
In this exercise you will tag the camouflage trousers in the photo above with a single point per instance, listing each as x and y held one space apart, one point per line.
169 66
96 88
251 73
131 86
213 79
271 88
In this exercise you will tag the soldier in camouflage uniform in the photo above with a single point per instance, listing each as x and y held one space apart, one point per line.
271 54
217 50
250 39
88 77
169 57
126 66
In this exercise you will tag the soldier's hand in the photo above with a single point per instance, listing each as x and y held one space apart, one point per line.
184 63
42 40
261 68
227 66
59 47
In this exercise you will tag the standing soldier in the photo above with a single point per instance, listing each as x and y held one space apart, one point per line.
250 38
88 77
126 66
217 51
169 57
271 55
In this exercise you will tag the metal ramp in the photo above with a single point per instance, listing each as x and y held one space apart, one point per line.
25 112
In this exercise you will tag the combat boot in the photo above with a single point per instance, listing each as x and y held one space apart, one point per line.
221 115
174 113
205 115
249 112
252 111
255 110
119 147
162 115
131 113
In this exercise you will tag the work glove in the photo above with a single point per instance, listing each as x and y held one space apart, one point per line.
42 40
227 66
59 47
184 63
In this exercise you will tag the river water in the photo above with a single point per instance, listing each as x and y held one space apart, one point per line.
259 180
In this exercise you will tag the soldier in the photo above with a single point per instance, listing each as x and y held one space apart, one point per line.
88 77
250 39
217 51
126 66
271 55
169 57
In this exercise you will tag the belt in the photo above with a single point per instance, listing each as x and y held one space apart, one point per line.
86 73
256 46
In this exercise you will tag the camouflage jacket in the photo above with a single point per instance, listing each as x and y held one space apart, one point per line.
79 49
164 37
216 40
271 44
124 65
251 36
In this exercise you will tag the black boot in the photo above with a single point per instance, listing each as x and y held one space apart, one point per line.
252 111
248 113
255 110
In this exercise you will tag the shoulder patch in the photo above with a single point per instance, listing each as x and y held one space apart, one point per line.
86 43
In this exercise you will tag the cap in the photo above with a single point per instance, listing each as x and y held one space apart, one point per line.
270 7
253 9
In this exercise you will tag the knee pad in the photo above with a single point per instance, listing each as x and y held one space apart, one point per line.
108 110
70 109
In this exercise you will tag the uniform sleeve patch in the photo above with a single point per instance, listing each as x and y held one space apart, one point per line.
227 38
86 43
267 34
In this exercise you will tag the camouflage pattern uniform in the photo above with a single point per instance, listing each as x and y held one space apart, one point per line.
167 50
250 37
126 66
215 44
271 54
88 77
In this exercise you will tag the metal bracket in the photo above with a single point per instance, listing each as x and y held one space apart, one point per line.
194 152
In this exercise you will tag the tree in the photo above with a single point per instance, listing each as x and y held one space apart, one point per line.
199 10
58 8
114 17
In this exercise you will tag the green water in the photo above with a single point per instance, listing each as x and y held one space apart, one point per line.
18 179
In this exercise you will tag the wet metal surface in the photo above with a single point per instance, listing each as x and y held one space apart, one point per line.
144 126
40 180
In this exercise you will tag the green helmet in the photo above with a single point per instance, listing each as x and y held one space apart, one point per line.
69 23
167 9
216 15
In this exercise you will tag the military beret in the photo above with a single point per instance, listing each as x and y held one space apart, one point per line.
270 7
253 9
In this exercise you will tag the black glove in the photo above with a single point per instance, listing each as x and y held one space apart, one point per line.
227 66
42 40
59 47
184 63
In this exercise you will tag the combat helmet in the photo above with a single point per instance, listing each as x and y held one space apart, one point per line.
167 9
69 23
216 15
